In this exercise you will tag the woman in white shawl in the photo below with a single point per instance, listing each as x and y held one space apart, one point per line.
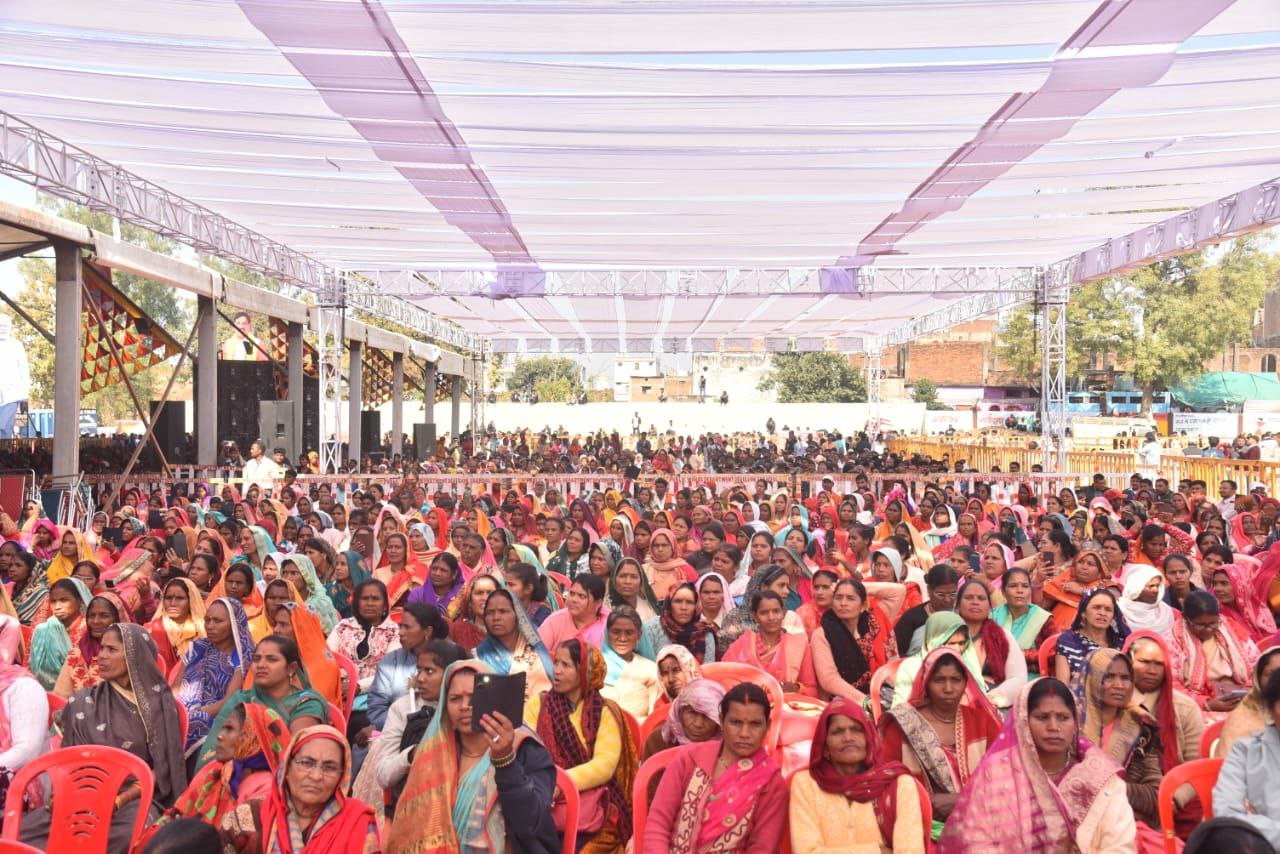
1142 601
939 534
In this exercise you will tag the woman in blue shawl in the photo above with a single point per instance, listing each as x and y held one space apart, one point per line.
214 667
341 586
51 640
512 644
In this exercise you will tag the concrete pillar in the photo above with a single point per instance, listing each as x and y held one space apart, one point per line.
206 415
397 403
68 355
297 352
355 391
455 414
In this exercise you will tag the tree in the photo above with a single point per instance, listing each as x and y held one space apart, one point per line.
814 378
926 392
555 379
1162 321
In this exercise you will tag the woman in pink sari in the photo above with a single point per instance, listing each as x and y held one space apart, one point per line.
782 655
1211 658
1232 585
1041 787
725 796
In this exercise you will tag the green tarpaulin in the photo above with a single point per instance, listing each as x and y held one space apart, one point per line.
1226 390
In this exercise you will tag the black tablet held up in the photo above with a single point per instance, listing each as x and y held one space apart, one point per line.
495 693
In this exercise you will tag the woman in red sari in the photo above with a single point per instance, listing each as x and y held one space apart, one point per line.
782 655
1232 586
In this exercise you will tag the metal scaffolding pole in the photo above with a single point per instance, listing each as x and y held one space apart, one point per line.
1053 371
330 330
875 375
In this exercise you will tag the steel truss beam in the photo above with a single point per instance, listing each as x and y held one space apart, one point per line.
875 378
330 333
55 166
698 282
1053 371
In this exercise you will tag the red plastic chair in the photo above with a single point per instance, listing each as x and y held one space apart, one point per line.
85 782
883 674
337 719
12 846
1202 774
651 723
56 704
184 722
562 580
640 794
353 678
1212 735
1048 650
571 805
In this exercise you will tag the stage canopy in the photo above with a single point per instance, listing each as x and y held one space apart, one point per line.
640 175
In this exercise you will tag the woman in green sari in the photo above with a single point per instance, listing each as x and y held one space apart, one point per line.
299 571
1029 624
280 684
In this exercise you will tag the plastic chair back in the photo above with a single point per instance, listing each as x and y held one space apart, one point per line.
561 579
1202 774
353 678
565 784
1212 735
633 727
1048 650
883 674
337 719
640 794
184 722
56 704
651 723
84 782
730 673
12 846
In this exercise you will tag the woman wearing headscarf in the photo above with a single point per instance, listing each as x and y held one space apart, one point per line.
53 639
784 656
1211 662
1142 601
367 635
45 540
1232 585
30 585
1054 791
475 790
943 628
348 573
307 810
943 729
302 626
589 738
249 747
693 716
631 680
628 585
665 567
444 583
1026 622
24 726
676 668
680 623
1063 592
255 545
512 645
72 548
81 667
213 668
318 601
466 612
131 709
179 620
851 798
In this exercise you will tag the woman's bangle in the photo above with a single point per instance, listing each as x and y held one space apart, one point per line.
504 761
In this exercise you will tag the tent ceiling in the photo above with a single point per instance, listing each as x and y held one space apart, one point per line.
666 134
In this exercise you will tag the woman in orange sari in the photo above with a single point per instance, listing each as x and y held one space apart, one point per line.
1062 592
399 570
295 622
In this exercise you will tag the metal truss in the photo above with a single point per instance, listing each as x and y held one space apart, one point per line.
875 377
55 166
857 281
1053 372
330 332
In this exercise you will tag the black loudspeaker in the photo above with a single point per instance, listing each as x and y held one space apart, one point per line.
370 431
171 429
424 440
275 427
241 387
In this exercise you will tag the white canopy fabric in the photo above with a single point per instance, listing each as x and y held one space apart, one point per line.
665 134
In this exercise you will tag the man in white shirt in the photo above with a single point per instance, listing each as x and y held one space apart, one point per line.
1227 492
259 469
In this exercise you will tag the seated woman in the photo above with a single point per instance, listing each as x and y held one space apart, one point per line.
1210 661
418 624
945 628
397 569
466 614
367 635
589 738
681 623
851 798
810 613
1142 601
409 717
582 617
725 795
630 679
940 583
245 758
1248 786
1232 586
943 729
24 724
475 790
1028 623
214 668
299 571
1063 592
1129 736
1249 717
280 684
512 645
783 656
693 716
178 622
1098 624
1177 717
52 640
348 571
300 625
740 619
81 667
30 585
131 709
307 809
1003 667
529 588
1041 787
676 668
666 567
274 595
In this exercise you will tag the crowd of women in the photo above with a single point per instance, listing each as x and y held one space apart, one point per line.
703 672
